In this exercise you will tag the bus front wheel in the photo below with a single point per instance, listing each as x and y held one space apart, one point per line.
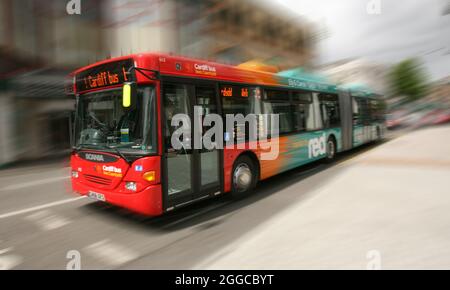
244 176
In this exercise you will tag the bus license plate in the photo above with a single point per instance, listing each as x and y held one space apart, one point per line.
96 196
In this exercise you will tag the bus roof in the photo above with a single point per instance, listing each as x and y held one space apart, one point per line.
311 81
359 90
171 65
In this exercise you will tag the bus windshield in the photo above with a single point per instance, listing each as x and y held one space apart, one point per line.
103 123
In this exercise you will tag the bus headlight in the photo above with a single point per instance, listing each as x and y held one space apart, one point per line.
132 186
74 174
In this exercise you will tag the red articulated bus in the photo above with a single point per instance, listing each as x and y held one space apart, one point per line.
126 110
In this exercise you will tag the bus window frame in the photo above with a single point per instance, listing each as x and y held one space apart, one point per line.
289 101
363 116
332 126
297 102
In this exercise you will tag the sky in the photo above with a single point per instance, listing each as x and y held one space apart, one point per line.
391 32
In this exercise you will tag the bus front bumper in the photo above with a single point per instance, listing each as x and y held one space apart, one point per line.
147 202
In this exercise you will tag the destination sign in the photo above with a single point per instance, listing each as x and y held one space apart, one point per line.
103 76
233 91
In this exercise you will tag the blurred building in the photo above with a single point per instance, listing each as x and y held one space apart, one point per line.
39 45
230 31
361 71
439 93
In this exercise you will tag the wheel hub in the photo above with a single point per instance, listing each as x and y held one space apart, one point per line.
242 177
330 149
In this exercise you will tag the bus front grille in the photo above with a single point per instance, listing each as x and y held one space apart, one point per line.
97 179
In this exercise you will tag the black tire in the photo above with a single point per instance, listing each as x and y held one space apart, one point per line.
331 150
244 176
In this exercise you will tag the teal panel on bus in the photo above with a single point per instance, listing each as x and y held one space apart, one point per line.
300 79
304 148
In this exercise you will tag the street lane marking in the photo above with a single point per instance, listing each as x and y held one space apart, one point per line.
40 207
47 220
10 261
6 174
33 183
110 253
4 251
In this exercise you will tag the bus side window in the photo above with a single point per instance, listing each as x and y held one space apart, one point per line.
302 111
376 110
237 100
277 102
175 102
358 115
363 116
366 111
329 110
206 99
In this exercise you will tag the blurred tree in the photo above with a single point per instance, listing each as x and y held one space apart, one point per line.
446 11
407 78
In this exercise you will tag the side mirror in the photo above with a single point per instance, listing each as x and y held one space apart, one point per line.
129 94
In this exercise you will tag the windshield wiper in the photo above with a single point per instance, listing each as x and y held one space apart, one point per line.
88 146
119 153
98 147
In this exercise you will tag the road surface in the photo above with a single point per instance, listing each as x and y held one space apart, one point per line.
385 205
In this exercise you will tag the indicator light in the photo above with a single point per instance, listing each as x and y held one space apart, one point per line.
149 176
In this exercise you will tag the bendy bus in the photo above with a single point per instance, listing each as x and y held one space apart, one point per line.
123 151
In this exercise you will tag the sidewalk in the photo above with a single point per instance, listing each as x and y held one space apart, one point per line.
388 208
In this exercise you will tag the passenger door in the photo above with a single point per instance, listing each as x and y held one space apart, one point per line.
208 159
190 172
178 164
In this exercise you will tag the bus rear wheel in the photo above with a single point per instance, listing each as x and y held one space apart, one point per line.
244 176
331 150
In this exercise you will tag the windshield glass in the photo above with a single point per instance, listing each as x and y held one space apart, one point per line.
103 123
